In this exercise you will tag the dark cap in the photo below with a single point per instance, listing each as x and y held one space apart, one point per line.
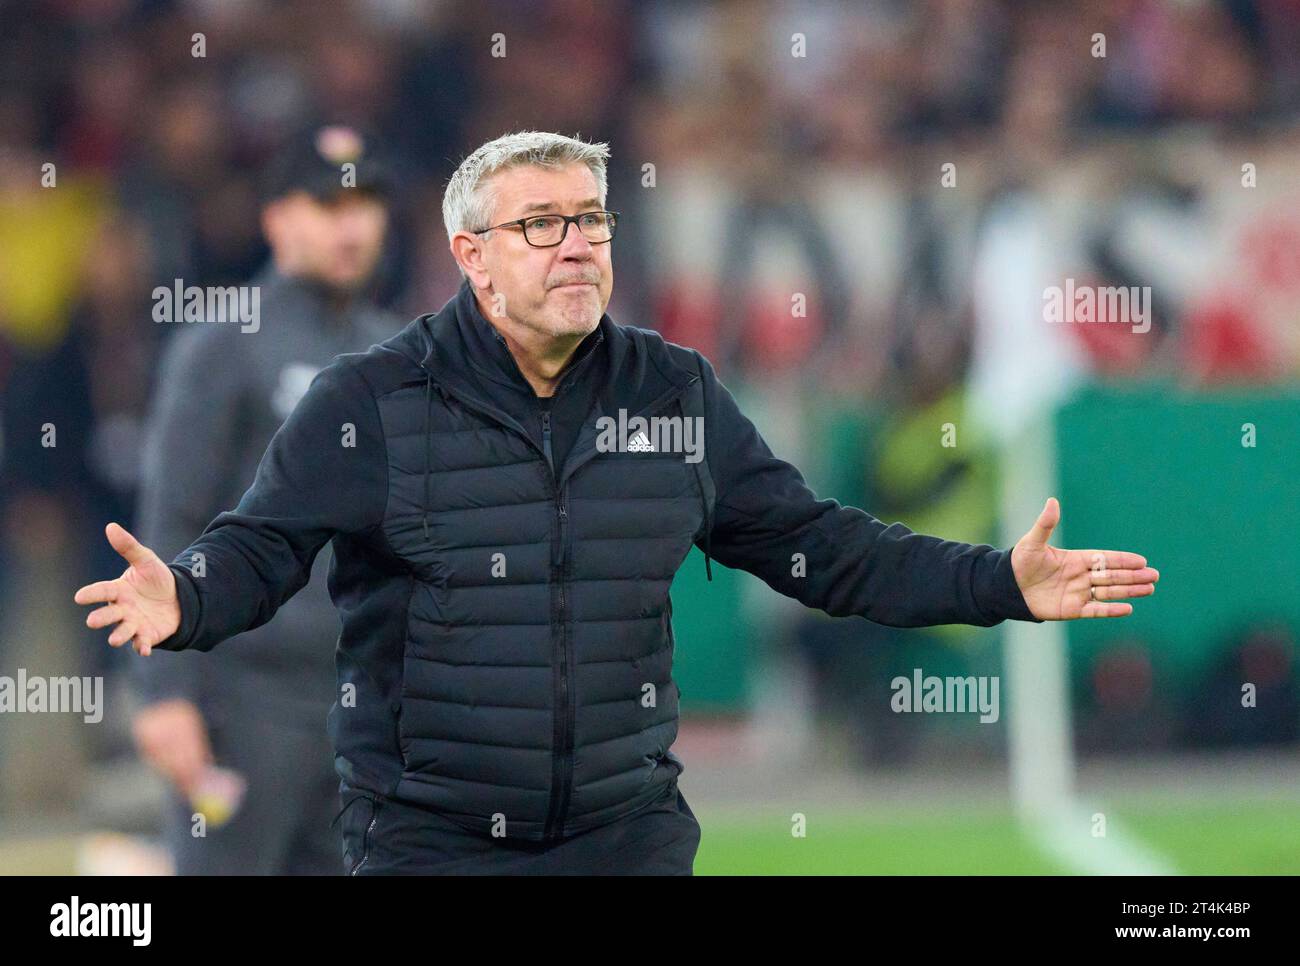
314 162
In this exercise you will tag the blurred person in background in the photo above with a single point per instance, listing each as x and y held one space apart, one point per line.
241 738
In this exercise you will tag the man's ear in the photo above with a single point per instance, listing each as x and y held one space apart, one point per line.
467 249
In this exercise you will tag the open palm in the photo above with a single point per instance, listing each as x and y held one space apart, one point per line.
142 602
1064 585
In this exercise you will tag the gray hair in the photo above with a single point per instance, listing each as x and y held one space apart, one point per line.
469 200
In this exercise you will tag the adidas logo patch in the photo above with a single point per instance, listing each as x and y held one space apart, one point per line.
658 434
640 444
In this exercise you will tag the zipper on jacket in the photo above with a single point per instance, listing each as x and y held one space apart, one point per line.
546 438
566 710
564 532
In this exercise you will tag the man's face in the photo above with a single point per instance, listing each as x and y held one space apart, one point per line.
556 291
337 242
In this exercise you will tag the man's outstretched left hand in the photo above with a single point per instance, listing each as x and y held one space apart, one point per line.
1064 585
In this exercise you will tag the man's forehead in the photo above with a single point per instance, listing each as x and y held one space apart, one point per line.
528 188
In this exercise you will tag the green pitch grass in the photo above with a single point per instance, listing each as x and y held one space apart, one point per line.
1248 838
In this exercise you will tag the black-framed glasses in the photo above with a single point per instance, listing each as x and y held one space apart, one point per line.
547 231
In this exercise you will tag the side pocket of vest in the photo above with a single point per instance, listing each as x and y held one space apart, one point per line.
367 837
402 749
401 740
672 648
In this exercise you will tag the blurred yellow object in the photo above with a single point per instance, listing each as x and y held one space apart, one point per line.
215 809
947 490
218 796
44 236
943 490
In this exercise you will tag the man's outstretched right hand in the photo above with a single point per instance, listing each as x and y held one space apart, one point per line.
142 602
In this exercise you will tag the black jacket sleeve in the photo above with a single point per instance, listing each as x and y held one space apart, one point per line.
852 564
324 472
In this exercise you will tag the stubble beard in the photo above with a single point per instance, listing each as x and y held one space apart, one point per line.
574 319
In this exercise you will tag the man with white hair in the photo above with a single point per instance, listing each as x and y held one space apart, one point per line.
510 485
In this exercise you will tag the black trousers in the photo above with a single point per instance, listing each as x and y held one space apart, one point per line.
385 837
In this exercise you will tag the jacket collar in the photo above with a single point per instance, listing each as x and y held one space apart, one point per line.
491 357
457 339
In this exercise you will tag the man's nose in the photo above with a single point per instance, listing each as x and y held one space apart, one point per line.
574 244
